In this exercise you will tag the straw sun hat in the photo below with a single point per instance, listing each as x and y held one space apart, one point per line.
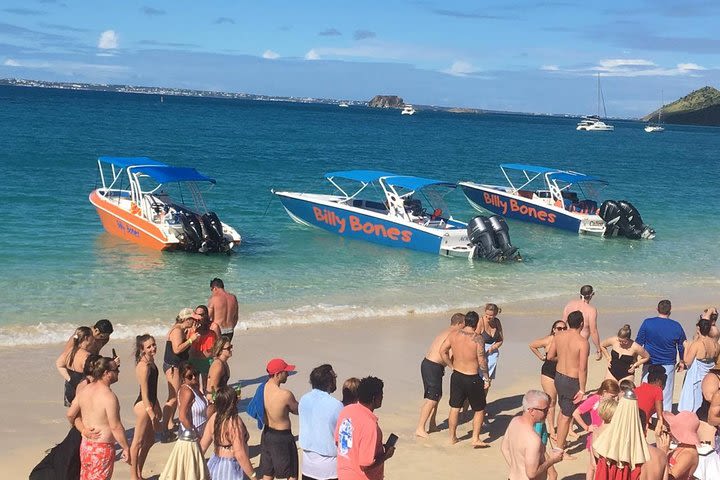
684 427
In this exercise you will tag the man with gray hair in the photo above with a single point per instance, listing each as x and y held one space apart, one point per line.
522 447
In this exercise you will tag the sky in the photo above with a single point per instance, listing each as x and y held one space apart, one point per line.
540 56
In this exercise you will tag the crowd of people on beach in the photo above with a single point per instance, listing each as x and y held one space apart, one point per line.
615 418
629 429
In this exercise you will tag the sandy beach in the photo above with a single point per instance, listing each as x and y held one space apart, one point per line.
34 418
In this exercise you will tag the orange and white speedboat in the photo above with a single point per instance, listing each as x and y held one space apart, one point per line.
134 204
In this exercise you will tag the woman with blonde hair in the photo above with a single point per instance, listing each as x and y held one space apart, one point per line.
219 373
490 329
349 391
547 372
177 347
147 409
71 364
625 355
231 457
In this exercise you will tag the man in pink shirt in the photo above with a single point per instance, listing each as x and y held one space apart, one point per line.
361 453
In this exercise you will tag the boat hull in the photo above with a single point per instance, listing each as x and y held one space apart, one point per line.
360 226
510 206
121 223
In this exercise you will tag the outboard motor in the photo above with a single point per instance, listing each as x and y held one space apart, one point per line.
480 233
634 227
212 233
502 237
610 212
192 235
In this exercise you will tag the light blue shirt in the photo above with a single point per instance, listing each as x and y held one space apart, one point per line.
319 412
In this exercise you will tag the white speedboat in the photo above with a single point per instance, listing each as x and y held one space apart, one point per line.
343 105
558 198
408 110
396 216
593 123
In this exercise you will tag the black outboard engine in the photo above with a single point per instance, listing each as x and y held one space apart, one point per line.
192 235
213 238
502 237
634 226
480 232
610 212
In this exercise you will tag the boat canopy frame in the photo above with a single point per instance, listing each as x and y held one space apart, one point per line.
551 176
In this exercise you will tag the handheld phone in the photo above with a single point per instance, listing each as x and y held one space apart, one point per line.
114 353
391 440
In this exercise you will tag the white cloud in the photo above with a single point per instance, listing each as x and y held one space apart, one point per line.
312 55
690 66
270 55
630 67
109 40
460 69
624 62
11 63
550 68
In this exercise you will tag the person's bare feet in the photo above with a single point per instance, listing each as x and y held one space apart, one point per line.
421 433
480 444
453 440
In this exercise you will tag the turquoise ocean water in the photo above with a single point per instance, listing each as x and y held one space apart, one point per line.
60 269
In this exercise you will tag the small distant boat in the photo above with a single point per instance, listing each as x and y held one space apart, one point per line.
397 217
546 196
133 204
343 105
593 123
656 127
408 110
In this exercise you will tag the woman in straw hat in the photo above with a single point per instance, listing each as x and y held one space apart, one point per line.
621 450
683 461
177 347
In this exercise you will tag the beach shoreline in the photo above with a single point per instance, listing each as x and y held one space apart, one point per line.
388 348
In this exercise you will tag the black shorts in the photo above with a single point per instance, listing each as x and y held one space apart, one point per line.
566 388
278 453
467 387
432 375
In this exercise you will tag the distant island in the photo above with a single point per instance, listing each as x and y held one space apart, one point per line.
701 107
386 101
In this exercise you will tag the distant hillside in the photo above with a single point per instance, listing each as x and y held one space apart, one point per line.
386 101
701 107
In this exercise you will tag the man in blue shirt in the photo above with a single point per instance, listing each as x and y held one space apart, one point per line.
319 411
663 339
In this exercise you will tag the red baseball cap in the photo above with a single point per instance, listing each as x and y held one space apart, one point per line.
277 365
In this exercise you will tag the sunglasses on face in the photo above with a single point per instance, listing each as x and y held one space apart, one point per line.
544 410
190 376
561 328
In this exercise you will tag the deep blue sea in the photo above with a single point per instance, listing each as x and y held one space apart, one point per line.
60 269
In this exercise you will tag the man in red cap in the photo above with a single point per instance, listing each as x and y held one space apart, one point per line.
278 452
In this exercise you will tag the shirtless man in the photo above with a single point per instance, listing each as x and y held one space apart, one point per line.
432 370
589 314
223 308
278 452
101 336
96 409
571 349
521 445
467 362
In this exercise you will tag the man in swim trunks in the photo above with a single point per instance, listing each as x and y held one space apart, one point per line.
223 308
571 349
97 410
278 452
522 447
590 313
465 384
432 369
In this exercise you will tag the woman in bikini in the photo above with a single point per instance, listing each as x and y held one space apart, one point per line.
490 329
547 372
219 373
683 460
700 357
625 356
177 348
71 363
147 409
231 458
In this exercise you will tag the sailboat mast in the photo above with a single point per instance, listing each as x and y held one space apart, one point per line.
598 94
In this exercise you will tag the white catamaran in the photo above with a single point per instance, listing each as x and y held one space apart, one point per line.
593 123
